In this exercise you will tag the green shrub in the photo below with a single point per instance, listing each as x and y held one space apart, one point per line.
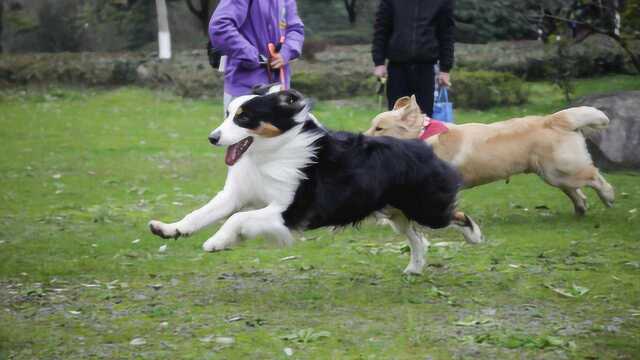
533 60
334 85
334 75
484 89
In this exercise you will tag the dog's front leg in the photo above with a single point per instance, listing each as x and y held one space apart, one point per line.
267 221
221 206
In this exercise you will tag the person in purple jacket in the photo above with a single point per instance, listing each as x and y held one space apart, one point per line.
243 29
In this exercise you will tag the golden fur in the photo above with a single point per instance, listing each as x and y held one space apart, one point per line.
551 146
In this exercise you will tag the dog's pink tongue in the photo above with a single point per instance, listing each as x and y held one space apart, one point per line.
231 156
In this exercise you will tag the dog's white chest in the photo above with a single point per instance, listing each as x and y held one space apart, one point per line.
263 183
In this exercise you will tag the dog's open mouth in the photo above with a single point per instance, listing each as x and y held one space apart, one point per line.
235 151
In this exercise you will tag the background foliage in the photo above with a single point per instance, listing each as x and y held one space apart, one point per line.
115 25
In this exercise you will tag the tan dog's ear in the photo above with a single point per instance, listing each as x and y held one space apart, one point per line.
414 103
411 114
402 102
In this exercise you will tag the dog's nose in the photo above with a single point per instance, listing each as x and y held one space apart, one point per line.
214 138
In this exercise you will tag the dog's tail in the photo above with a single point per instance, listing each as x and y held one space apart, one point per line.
586 119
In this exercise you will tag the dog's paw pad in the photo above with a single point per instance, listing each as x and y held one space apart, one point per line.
157 228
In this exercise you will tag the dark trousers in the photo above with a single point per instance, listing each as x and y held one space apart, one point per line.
411 79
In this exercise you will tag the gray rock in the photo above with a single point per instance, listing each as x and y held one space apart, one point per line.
618 146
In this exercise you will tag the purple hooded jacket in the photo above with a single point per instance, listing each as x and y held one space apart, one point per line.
242 30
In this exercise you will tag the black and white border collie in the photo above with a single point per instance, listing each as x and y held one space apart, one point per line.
287 172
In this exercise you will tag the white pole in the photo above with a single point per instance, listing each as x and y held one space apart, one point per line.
164 35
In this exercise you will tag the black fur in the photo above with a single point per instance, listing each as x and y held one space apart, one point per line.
354 175
262 89
277 109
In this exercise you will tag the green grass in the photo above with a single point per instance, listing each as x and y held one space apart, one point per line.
83 171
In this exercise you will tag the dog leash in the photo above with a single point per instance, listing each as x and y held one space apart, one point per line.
382 84
273 50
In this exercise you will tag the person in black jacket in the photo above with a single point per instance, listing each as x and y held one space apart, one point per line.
413 35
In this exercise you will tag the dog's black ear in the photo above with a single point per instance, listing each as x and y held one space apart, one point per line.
262 89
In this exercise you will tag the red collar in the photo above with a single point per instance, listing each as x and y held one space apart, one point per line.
432 127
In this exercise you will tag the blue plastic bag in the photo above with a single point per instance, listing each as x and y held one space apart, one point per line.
442 108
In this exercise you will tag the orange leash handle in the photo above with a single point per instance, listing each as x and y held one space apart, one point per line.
273 52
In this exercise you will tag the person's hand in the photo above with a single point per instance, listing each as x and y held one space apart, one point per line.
276 61
443 79
380 71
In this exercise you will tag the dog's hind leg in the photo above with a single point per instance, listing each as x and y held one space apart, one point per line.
250 224
469 229
603 188
578 198
417 243
221 206
586 176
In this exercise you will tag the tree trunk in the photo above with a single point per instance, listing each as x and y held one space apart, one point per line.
1 18
203 13
350 5
164 35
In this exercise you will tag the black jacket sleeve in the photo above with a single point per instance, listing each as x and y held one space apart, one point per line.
382 29
445 33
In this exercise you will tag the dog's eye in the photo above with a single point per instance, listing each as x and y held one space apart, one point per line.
241 119
291 100
379 129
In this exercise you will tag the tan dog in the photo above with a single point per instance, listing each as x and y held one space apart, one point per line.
551 146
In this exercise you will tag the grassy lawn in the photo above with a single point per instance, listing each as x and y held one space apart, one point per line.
83 171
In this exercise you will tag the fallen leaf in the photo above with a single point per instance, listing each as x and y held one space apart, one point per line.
156 286
287 258
224 340
580 290
574 291
135 241
306 335
288 351
234 318
207 339
442 244
471 321
138 342
162 249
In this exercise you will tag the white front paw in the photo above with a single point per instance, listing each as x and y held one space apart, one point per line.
165 231
414 268
218 242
